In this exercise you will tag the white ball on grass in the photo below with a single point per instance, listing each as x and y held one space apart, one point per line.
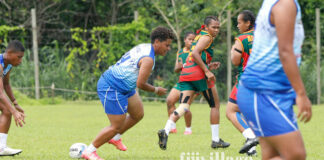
76 150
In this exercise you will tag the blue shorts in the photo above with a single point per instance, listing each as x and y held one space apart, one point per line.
268 113
113 101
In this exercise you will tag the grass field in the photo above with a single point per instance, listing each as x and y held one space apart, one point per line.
52 129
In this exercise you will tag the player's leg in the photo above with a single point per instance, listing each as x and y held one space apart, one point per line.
171 100
234 115
188 117
232 110
212 98
104 135
116 122
180 111
115 106
290 145
136 113
231 114
268 151
271 117
5 121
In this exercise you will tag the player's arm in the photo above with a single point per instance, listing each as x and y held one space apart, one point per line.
18 116
202 43
7 88
236 53
146 65
283 16
178 64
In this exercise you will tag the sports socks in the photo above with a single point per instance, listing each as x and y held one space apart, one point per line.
215 132
168 126
174 126
188 129
248 133
117 137
91 148
3 140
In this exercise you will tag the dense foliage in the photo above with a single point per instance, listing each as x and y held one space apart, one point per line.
79 40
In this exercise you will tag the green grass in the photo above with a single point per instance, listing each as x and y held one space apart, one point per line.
52 129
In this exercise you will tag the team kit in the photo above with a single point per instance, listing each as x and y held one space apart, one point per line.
266 55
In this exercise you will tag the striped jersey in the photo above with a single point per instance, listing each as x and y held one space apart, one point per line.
182 56
7 69
191 70
264 70
246 40
123 75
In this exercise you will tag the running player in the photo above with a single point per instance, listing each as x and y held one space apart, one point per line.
193 79
116 88
271 83
240 53
11 58
174 94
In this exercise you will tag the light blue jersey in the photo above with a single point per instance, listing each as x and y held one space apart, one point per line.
7 69
123 75
265 96
264 70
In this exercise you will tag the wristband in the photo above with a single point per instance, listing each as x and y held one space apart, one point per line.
15 102
156 90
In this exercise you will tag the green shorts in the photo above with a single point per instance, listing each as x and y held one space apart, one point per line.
177 86
198 86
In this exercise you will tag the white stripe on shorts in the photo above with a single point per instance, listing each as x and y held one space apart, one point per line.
282 113
106 97
256 114
119 103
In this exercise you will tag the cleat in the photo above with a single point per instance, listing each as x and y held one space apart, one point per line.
173 130
118 144
91 156
187 133
163 139
249 143
220 144
7 151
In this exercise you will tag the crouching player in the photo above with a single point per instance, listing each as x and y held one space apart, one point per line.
12 57
116 88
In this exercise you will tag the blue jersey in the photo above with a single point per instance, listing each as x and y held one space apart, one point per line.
123 75
264 70
7 69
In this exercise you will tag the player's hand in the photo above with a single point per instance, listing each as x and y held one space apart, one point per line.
210 76
304 108
161 91
214 65
179 65
18 108
19 118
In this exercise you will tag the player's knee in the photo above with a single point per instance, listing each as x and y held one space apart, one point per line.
188 113
170 103
115 129
228 113
181 110
138 116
